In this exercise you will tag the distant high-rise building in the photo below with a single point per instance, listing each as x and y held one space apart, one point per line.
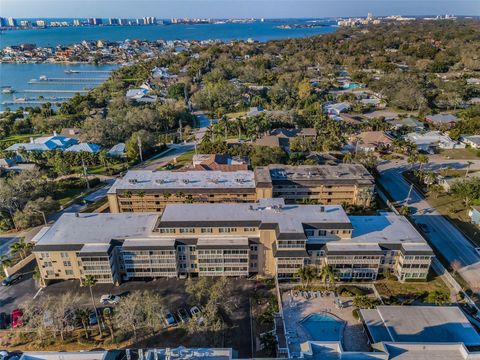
139 21
76 22
122 21
24 23
40 23
11 22
370 16
97 21
112 21
91 21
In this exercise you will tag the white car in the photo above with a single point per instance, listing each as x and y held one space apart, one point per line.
197 314
109 299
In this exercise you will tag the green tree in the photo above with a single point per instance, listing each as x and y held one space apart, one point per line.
90 281
306 274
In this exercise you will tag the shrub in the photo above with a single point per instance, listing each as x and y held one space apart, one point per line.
350 290
356 314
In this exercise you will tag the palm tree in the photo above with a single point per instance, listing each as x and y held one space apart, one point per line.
20 247
327 275
5 261
348 158
83 316
306 274
90 281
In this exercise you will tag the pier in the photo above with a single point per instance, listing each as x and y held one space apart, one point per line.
56 91
87 71
71 79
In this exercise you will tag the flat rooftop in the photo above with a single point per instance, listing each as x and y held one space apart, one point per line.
372 232
426 324
96 228
183 180
289 218
351 173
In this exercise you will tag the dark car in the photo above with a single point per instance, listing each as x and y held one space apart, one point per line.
3 320
183 315
10 280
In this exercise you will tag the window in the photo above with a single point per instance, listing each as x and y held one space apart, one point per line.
64 254
167 231
254 247
227 229
68 272
44 254
67 263
206 230
181 248
309 232
50 272
187 230
249 229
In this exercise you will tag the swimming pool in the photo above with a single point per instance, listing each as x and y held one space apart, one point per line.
323 327
351 86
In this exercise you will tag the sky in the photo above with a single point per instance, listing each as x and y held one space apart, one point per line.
233 8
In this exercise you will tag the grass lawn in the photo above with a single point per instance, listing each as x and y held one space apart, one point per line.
461 154
181 160
18 138
387 287
455 210
236 114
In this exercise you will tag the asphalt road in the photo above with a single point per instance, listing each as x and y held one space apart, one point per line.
22 291
444 236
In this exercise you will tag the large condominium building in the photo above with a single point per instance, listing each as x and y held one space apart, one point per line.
267 238
349 184
151 191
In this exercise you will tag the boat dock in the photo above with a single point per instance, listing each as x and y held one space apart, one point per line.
41 80
56 91
87 71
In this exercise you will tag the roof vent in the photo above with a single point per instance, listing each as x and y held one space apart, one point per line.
77 215
160 181
322 208
132 181
186 181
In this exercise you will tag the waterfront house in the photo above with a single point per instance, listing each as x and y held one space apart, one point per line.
337 108
117 150
433 140
45 143
84 147
409 122
369 141
442 119
473 141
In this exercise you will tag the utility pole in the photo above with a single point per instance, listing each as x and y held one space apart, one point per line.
195 144
180 130
139 142
85 174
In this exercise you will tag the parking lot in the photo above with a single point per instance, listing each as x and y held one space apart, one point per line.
172 291
23 290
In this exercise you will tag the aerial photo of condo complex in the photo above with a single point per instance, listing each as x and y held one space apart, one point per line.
219 180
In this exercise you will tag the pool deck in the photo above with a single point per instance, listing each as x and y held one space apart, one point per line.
295 309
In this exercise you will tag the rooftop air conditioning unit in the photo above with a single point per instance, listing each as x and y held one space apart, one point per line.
322 208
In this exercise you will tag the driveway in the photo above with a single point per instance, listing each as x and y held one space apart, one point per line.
443 235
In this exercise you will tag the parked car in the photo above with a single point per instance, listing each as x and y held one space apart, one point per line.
169 318
10 280
196 314
183 315
17 318
109 299
3 320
